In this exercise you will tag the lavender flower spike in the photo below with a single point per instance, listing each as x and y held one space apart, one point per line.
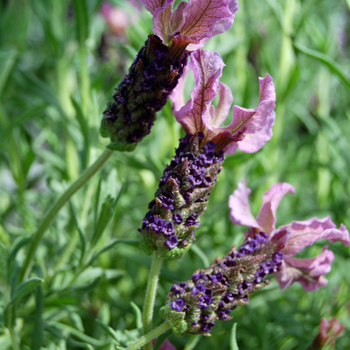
296 235
159 65
211 294
169 226
250 128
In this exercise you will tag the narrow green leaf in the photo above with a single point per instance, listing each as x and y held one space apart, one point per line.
103 220
79 229
72 331
84 128
192 342
97 201
41 89
327 61
7 61
37 335
233 341
110 245
108 330
11 259
25 288
199 252
82 20
138 315
78 344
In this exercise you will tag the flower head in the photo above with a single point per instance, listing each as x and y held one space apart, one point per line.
193 22
169 226
250 128
212 293
293 237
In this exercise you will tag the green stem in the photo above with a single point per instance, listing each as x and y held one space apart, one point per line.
150 336
75 186
150 297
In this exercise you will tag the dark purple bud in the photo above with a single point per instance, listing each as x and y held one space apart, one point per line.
177 305
199 288
179 288
171 243
169 228
178 218
205 327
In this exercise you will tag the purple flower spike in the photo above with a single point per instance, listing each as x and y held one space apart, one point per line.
287 240
250 128
192 22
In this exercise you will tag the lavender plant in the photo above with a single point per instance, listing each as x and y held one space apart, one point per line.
159 65
73 288
182 196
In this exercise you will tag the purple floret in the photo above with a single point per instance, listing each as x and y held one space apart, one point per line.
216 278
169 228
197 276
223 314
199 288
205 301
171 243
191 220
177 305
205 327
178 218
179 288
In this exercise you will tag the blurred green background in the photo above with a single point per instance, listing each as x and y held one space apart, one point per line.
59 64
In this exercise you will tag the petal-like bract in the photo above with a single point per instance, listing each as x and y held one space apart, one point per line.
308 272
271 199
238 203
289 239
199 20
250 128
305 233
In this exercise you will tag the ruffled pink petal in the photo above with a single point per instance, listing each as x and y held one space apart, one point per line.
177 97
204 18
153 5
271 200
308 272
161 20
253 126
177 17
207 67
305 233
226 23
238 203
219 114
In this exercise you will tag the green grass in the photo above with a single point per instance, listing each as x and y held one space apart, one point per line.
54 85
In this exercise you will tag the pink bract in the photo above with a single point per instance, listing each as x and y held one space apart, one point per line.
196 20
250 128
296 236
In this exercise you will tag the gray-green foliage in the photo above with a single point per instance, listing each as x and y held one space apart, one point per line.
55 79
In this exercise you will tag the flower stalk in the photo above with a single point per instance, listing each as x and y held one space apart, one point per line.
149 336
150 297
